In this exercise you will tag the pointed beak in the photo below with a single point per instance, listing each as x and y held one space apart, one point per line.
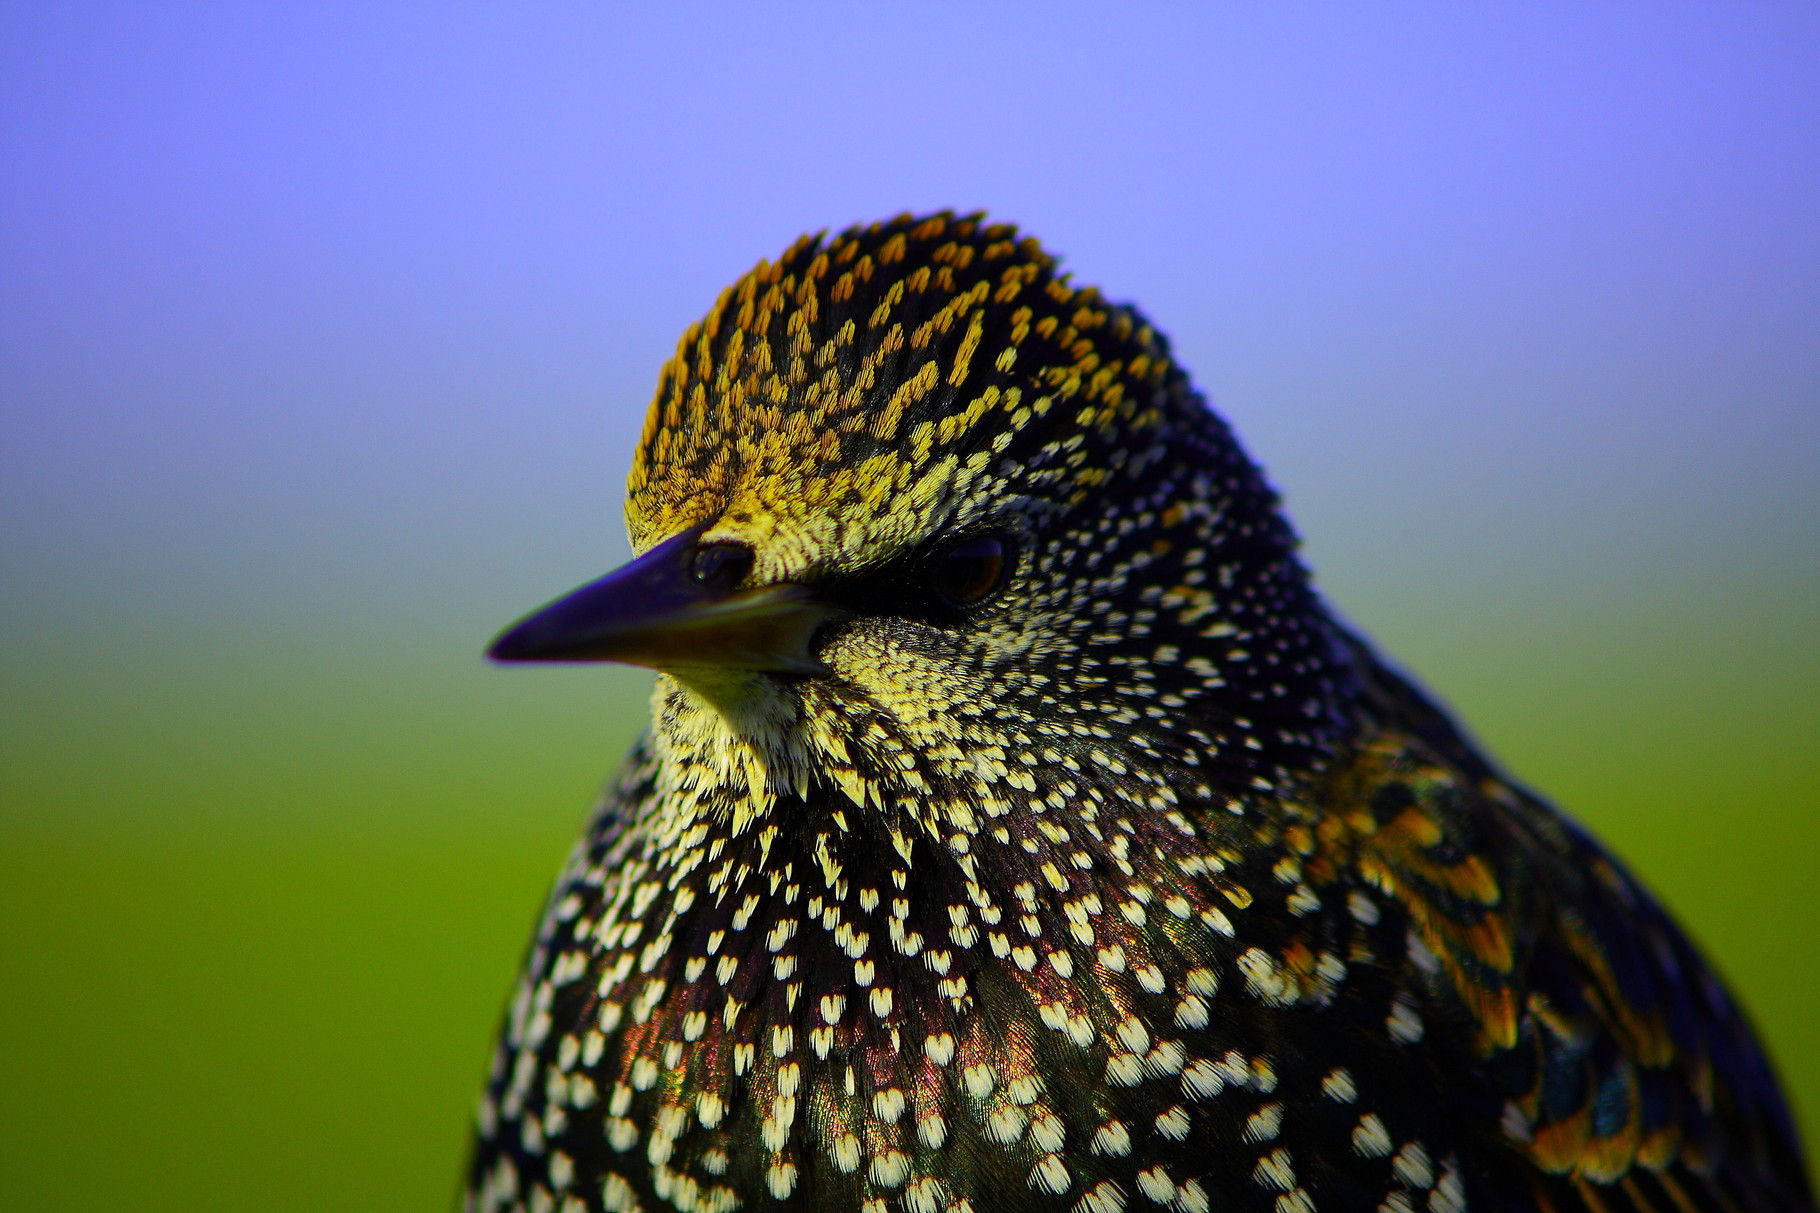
671 609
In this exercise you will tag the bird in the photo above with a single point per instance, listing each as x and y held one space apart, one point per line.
1018 828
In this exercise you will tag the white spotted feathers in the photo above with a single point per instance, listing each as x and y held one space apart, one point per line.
1137 885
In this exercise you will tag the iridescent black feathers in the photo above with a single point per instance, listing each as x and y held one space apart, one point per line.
1119 878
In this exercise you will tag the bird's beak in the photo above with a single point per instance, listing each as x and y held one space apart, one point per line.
655 612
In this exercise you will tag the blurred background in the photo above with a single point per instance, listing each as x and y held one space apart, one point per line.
325 336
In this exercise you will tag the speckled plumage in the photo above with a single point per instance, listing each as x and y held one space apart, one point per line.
1141 885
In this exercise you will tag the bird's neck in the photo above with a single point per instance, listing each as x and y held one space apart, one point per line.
754 780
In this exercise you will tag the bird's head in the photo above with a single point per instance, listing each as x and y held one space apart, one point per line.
916 517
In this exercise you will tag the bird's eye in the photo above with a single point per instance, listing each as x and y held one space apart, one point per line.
721 566
970 570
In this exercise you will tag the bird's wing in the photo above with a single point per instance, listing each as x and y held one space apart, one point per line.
1607 1054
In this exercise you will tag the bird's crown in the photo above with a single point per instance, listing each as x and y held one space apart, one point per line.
883 381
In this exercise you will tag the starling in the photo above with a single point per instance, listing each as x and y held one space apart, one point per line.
1018 830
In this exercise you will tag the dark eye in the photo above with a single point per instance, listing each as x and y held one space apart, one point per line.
721 566
970 570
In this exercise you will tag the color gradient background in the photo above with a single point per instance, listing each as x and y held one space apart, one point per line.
324 340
